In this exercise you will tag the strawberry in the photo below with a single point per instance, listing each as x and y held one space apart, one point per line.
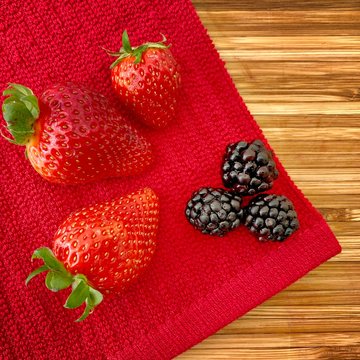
146 78
101 248
73 135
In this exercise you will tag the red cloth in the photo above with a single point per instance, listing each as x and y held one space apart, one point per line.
196 284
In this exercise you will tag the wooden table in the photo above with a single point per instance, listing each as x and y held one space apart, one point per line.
297 66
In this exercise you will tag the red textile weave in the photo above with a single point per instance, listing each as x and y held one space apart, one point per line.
196 284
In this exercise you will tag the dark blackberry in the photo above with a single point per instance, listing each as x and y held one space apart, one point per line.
271 217
214 211
248 168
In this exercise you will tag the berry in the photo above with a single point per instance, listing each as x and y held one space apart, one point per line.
146 79
103 247
73 135
214 211
271 217
248 168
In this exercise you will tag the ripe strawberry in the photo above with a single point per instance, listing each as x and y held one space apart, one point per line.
147 79
104 247
73 135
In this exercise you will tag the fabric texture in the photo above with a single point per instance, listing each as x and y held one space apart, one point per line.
195 284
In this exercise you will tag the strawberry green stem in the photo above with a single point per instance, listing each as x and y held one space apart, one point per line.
58 278
20 110
128 51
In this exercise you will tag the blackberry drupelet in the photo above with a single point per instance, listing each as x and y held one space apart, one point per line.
248 168
214 211
271 217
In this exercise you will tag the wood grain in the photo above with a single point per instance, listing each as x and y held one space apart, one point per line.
296 64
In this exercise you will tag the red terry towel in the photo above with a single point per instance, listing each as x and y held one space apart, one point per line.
196 284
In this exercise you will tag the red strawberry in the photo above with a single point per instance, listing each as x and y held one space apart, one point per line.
103 247
147 79
73 135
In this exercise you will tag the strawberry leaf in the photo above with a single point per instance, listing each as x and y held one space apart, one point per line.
126 42
60 281
128 51
48 280
20 111
137 58
10 91
19 121
119 59
36 272
20 89
88 310
78 296
49 259
58 278
95 297
32 104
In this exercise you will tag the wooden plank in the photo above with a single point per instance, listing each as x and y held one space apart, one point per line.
321 134
286 108
350 245
296 146
318 297
291 55
327 87
330 276
321 160
332 188
267 341
347 229
326 175
297 74
308 121
311 98
321 353
336 214
276 5
291 43
263 22
250 324
333 201
351 253
312 312
261 354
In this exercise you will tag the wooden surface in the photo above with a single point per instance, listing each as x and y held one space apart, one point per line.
297 66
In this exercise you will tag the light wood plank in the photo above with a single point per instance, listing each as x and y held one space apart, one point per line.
297 146
335 214
326 175
320 6
250 354
291 55
331 108
308 121
290 43
331 188
333 201
279 325
266 341
262 22
318 297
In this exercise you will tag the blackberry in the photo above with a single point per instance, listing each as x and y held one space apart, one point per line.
248 168
214 211
271 217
